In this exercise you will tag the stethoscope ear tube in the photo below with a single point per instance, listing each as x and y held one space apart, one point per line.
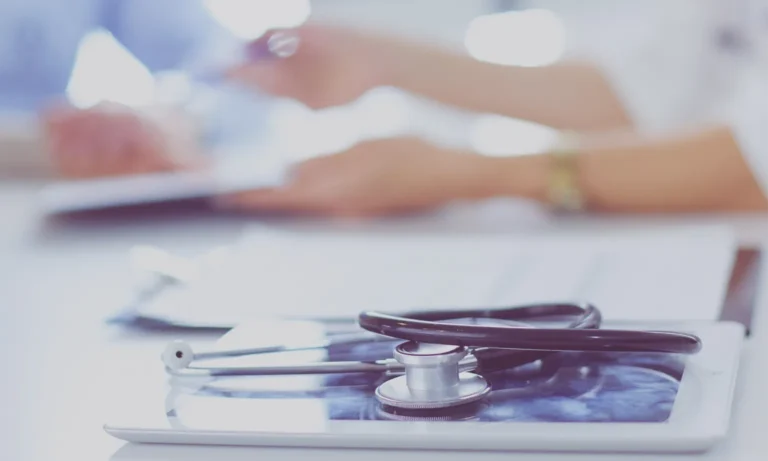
581 335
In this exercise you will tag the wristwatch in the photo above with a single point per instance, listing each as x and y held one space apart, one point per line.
565 193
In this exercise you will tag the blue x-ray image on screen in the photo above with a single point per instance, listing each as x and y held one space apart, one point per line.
564 387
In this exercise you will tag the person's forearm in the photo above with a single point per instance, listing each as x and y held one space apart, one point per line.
696 172
573 96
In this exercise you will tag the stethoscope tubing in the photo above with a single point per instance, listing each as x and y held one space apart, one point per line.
583 335
490 348
386 366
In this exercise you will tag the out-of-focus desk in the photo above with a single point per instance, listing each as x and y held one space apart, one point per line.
62 366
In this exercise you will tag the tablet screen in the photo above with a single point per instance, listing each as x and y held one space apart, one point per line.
566 387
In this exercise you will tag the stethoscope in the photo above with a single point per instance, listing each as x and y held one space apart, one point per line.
442 364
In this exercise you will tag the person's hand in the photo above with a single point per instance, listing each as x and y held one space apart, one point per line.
114 140
373 178
332 66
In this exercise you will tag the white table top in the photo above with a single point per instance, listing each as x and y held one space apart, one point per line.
64 366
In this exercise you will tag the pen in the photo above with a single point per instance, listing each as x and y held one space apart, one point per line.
270 46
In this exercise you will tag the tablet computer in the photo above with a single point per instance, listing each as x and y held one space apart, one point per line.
229 175
593 402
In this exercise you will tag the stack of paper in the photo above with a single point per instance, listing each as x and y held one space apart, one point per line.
666 275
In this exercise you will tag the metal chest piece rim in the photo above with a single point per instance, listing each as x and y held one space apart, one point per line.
432 379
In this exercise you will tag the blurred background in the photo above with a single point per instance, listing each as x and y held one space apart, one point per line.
525 33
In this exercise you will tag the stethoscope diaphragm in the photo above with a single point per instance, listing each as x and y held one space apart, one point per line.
433 379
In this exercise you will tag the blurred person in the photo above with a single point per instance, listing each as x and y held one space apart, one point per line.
668 115
39 41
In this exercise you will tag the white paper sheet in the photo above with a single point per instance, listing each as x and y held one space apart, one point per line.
666 275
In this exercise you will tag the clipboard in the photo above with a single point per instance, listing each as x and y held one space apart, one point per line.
738 301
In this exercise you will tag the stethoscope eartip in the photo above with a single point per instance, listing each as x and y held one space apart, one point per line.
178 355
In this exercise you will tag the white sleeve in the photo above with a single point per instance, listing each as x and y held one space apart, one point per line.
655 54
747 115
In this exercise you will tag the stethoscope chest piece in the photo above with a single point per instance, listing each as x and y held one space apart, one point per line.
432 379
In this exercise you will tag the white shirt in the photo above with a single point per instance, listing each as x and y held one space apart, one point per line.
678 64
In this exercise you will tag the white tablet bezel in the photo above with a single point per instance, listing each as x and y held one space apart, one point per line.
700 418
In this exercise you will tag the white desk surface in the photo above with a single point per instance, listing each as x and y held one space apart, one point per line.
62 365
